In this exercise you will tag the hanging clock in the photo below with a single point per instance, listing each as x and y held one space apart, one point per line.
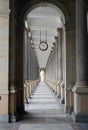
43 46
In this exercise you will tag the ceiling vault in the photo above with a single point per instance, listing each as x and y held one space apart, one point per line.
44 19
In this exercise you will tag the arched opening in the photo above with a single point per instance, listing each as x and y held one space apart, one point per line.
46 22
65 64
30 58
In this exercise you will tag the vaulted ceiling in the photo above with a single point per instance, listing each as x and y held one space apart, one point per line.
46 19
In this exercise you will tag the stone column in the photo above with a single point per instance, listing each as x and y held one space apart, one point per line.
20 66
12 66
25 54
62 93
29 66
81 87
59 30
26 64
4 60
29 59
69 60
56 57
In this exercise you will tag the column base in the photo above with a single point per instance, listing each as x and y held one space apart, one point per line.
4 118
27 101
79 117
80 113
12 118
70 110
58 96
21 110
62 101
55 93
29 95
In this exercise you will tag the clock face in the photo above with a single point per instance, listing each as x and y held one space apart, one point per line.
43 46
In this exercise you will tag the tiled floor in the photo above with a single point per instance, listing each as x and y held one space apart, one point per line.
44 112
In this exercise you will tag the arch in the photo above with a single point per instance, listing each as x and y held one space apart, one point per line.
55 4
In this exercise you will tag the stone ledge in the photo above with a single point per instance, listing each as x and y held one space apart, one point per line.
12 118
80 87
62 101
80 117
70 109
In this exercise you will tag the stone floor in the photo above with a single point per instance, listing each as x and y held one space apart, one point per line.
44 112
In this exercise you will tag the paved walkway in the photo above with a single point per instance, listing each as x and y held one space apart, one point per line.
44 112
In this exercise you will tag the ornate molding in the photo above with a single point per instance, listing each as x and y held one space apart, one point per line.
80 87
4 13
12 89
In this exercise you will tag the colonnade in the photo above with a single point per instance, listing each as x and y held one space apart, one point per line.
71 84
66 69
31 67
17 79
80 88
54 68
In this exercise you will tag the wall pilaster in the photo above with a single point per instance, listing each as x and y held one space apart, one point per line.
81 86
4 60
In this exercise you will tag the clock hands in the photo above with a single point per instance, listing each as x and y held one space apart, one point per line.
43 46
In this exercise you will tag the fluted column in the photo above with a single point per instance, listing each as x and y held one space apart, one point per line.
59 30
26 65
29 68
25 54
81 87
20 67
12 65
60 72
56 57
81 42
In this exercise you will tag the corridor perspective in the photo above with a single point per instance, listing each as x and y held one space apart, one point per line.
43 64
44 112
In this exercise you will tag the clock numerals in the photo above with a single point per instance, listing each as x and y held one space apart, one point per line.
43 46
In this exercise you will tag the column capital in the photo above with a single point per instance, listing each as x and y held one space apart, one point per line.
80 87
12 89
59 29
56 37
4 13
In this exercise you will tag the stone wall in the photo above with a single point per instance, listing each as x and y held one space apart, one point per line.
4 58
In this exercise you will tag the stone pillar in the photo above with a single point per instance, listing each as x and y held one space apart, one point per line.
20 66
29 64
71 99
69 62
26 64
59 30
25 54
4 60
62 92
30 59
12 66
81 87
56 57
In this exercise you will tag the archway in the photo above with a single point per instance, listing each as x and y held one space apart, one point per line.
60 81
20 50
